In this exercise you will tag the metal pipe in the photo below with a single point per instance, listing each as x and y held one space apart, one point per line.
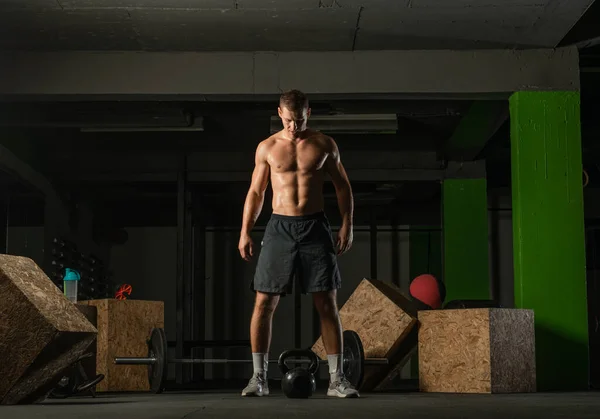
297 314
199 292
151 361
190 344
180 318
373 244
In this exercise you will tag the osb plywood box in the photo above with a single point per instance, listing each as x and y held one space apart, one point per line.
483 350
89 363
124 327
41 332
407 349
383 318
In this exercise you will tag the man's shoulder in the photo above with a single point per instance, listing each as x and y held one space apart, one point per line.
326 141
315 135
267 142
264 147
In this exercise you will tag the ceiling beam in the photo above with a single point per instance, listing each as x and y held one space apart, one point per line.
474 130
256 74
466 170
55 207
24 173
586 32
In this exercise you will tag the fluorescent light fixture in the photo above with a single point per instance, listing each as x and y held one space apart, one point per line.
142 129
347 123
196 126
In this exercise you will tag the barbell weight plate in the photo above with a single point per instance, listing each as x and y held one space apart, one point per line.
157 372
354 358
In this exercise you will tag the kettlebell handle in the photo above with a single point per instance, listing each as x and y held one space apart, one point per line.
314 365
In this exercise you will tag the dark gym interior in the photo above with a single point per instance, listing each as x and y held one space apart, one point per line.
129 131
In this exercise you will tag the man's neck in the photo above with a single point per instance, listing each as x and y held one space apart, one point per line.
303 135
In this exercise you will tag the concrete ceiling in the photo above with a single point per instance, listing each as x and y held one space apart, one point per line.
284 25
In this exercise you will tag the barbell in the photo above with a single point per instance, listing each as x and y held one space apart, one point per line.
353 358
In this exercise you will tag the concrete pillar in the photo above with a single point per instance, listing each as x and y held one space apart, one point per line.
548 232
465 239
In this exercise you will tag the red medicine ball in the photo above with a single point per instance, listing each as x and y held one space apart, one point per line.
427 289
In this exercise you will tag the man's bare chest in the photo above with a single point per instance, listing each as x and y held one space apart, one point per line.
300 158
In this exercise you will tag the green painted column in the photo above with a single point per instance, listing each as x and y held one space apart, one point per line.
548 230
465 239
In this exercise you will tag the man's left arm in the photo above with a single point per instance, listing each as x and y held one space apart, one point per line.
343 190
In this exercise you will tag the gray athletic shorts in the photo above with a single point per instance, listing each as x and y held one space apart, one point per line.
300 247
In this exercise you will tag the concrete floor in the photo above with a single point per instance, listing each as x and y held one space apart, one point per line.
228 405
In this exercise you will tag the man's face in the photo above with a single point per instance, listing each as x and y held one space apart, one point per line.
294 123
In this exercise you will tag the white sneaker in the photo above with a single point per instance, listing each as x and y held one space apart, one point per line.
257 387
341 387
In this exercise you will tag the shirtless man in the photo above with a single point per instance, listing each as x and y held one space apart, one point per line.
297 240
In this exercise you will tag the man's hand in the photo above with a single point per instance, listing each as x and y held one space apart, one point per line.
246 247
344 240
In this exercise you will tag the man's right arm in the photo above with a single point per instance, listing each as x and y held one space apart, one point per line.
256 194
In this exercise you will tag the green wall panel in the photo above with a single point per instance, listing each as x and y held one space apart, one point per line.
465 232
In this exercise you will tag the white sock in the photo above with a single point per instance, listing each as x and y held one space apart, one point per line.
335 366
260 361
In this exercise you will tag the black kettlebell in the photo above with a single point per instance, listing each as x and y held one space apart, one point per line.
298 382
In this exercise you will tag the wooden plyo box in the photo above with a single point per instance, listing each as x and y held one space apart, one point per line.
89 363
124 327
482 350
383 318
41 332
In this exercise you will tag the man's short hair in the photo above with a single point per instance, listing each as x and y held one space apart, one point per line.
294 100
